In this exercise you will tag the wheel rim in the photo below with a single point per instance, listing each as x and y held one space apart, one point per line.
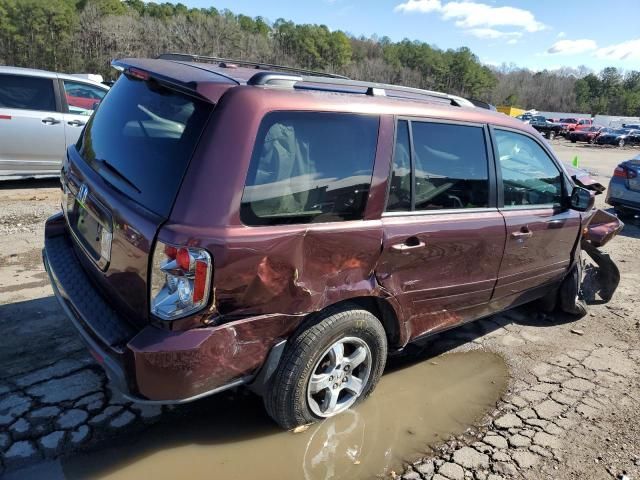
339 377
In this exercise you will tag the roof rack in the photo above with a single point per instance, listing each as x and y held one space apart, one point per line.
342 85
258 65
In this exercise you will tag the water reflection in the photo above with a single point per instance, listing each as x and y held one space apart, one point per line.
232 438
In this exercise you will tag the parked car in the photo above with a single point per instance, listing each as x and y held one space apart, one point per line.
41 114
546 128
620 137
287 230
571 124
624 187
588 135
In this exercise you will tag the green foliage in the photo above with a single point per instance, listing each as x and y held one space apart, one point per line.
609 93
85 35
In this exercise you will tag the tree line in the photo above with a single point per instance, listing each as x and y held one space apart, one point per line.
85 35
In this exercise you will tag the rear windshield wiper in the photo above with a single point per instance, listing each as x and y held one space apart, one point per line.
118 173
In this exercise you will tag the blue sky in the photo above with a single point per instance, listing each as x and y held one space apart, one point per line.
535 34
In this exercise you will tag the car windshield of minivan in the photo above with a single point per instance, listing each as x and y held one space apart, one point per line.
145 135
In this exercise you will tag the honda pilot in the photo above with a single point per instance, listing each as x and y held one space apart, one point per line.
229 224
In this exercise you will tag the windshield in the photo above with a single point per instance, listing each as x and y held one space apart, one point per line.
141 139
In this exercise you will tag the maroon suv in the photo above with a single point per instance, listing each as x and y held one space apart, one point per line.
224 225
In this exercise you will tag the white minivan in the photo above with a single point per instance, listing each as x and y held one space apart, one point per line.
41 113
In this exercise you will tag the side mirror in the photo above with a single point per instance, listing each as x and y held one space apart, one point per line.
582 199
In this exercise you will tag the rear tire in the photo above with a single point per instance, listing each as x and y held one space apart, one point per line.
621 143
317 377
573 140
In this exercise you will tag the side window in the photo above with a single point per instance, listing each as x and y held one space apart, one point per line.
27 93
400 184
310 167
529 176
451 168
82 98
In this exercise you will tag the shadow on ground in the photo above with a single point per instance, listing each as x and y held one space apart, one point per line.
53 182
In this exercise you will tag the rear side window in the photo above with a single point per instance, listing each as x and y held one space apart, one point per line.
310 167
82 98
141 140
27 93
450 168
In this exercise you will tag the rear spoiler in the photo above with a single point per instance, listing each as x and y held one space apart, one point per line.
204 85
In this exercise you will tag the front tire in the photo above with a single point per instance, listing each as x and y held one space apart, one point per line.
331 365
552 135
570 296
621 143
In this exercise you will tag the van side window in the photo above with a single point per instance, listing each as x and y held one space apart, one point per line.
529 176
451 169
400 183
27 93
310 167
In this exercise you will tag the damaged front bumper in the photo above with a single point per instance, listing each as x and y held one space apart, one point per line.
603 281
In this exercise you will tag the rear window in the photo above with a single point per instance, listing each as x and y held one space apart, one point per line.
310 167
27 93
141 139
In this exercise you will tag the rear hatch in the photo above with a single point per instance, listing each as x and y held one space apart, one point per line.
121 180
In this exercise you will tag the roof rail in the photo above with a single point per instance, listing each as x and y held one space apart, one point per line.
351 86
258 65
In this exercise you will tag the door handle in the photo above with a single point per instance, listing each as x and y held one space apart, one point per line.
75 123
557 223
523 233
50 121
411 243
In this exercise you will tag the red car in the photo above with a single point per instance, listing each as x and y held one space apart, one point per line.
587 134
571 124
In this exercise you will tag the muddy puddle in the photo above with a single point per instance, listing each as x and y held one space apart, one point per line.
231 437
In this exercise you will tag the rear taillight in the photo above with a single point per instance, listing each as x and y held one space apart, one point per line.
180 280
625 172
620 172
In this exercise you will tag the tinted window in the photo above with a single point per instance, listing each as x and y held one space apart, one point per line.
450 166
82 98
529 176
400 183
310 167
27 93
147 133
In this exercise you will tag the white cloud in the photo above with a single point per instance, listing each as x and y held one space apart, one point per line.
572 47
561 35
422 6
470 15
492 33
629 50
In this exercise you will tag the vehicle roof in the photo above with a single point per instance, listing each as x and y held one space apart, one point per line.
34 72
205 77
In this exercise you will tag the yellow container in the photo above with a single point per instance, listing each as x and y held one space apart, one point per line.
511 111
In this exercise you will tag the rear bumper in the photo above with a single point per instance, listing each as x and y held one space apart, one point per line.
155 365
618 195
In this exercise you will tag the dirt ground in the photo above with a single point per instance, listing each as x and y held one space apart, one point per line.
570 410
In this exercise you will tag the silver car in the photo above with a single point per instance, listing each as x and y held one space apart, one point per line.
624 189
41 113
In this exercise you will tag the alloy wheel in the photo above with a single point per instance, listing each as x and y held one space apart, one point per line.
339 377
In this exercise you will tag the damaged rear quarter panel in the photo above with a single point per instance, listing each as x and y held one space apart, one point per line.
298 269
